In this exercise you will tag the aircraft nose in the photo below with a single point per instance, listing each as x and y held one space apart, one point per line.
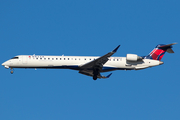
3 64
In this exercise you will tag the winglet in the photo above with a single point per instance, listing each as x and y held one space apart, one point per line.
106 76
116 49
109 75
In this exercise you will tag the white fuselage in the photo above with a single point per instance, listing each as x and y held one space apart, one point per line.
75 62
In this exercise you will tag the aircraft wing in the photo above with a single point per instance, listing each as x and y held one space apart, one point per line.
99 62
93 68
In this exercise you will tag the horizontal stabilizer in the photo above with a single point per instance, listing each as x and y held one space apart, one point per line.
170 50
166 46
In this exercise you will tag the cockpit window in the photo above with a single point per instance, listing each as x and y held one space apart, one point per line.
15 58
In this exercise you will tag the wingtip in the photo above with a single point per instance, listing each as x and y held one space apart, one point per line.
116 48
109 75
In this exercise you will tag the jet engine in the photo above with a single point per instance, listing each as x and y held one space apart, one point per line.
133 57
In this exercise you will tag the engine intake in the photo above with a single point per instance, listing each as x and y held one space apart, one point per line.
133 57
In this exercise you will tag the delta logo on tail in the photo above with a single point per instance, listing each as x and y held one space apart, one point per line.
159 51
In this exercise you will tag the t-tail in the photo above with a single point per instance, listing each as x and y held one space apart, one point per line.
159 51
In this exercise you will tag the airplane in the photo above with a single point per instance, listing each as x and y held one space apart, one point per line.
91 65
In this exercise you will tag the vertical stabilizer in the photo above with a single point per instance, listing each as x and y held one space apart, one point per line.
159 51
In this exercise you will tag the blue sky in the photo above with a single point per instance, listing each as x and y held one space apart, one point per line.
90 28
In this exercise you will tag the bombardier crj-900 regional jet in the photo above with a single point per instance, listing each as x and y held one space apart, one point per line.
91 65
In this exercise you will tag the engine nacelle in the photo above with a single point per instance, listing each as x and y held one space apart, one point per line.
133 57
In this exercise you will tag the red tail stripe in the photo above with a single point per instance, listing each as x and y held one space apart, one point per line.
156 52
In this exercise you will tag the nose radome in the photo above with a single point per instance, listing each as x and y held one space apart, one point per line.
3 64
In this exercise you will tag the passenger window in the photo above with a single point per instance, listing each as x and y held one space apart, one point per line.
52 58
44 58
64 58
56 58
60 58
68 58
48 58
36 58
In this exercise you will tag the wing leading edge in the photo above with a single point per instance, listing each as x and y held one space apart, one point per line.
93 68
